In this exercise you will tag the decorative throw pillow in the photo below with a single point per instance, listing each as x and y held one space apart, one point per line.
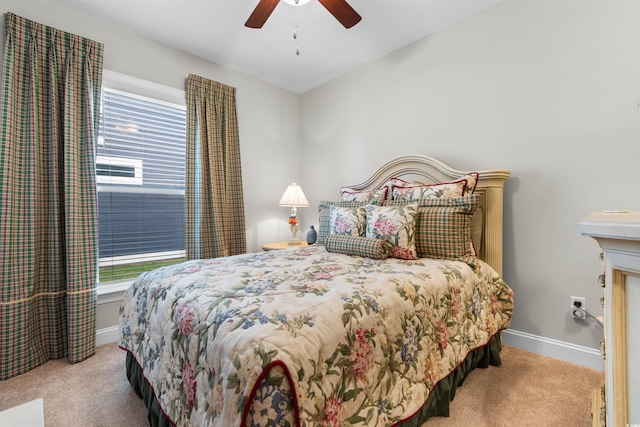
369 196
324 218
346 220
477 225
472 181
443 227
358 246
430 191
396 225
393 182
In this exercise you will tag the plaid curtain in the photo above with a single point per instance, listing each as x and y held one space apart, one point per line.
214 203
48 230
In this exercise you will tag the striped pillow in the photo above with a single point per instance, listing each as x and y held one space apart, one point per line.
358 246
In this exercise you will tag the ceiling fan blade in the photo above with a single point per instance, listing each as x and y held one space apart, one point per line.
341 10
261 13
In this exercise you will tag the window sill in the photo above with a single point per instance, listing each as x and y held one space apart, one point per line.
112 292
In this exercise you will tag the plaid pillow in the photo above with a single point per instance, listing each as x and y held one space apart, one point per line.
358 246
443 227
476 217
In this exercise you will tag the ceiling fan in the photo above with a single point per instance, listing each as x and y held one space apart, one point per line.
340 9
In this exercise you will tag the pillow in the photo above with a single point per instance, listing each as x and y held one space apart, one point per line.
370 196
358 246
393 182
442 190
396 225
477 229
472 181
345 220
324 218
443 227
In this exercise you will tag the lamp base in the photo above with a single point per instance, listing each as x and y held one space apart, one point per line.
294 233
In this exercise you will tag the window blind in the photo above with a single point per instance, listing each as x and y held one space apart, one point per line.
140 178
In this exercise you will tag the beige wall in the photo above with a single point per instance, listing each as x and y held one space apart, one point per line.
547 89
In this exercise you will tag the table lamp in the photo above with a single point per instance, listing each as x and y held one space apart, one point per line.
294 197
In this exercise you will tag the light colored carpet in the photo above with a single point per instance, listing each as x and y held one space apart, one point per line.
92 393
527 390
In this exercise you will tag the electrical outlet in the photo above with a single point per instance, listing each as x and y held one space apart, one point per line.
574 311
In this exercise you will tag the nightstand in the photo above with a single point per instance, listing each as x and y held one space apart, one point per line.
282 245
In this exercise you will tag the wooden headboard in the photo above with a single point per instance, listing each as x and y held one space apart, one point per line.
427 170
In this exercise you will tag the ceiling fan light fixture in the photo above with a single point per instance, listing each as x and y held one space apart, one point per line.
297 2
340 9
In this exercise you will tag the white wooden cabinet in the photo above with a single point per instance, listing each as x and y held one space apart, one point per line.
618 234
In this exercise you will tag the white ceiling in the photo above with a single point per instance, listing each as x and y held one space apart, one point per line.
214 30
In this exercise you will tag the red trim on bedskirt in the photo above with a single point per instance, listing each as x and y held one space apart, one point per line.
254 390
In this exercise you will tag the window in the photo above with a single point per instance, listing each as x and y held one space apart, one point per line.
140 178
117 170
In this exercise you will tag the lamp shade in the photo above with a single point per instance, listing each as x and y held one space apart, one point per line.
293 196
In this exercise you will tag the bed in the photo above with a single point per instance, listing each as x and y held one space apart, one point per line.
347 332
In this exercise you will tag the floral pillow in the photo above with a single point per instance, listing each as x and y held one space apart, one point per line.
472 181
370 196
324 217
345 220
393 182
396 225
430 191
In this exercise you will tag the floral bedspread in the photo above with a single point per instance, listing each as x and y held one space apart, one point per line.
338 340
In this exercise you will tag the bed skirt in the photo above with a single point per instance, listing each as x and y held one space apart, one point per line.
437 405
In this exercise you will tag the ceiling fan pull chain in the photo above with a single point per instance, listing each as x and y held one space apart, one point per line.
295 37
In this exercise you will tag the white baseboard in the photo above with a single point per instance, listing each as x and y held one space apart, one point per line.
579 355
106 335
